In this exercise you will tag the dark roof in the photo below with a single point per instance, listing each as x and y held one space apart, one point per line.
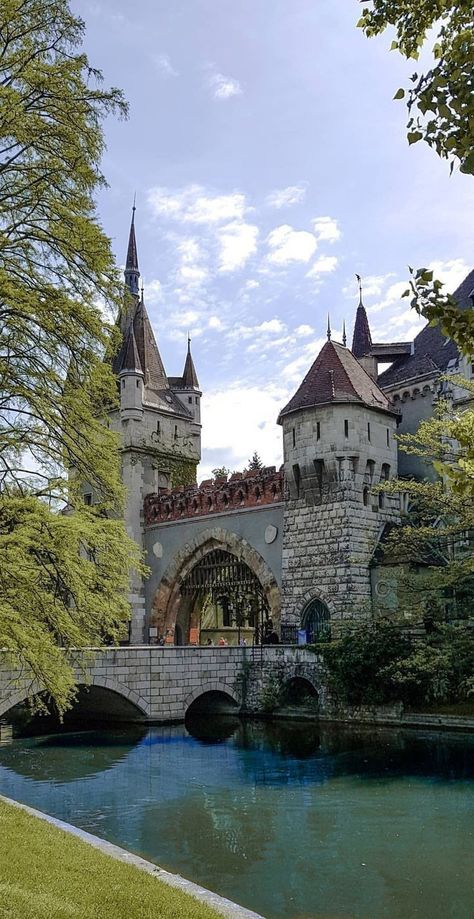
361 339
336 376
190 380
432 351
150 358
130 356
132 254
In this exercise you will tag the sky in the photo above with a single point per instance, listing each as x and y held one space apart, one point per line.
270 164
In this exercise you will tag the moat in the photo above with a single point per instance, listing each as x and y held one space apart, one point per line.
290 819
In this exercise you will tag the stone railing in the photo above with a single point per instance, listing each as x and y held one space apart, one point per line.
216 496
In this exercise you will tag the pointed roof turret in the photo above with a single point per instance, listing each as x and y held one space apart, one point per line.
336 376
362 339
132 272
190 379
130 356
150 358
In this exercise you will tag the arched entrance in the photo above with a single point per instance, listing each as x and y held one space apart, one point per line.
315 621
222 601
217 588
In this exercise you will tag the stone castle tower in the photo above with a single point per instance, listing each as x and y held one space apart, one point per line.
338 442
159 419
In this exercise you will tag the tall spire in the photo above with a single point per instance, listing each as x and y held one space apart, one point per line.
132 273
190 380
329 328
344 336
362 339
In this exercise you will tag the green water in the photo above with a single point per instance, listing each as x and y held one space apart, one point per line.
288 819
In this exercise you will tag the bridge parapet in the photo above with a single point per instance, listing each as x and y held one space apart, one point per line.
241 490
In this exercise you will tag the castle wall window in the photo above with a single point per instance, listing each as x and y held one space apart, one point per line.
87 498
176 432
346 428
297 478
369 471
123 384
138 383
385 475
368 431
318 430
158 430
381 499
365 496
190 400
294 436
196 400
388 437
319 470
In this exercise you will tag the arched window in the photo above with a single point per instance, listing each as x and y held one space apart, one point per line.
316 621
385 473
365 496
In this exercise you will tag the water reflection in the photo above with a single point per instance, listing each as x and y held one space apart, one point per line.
291 819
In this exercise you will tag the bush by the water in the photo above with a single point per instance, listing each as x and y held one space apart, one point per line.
376 663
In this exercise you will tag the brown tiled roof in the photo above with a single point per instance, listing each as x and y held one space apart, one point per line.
336 376
432 350
150 359
362 339
131 357
190 380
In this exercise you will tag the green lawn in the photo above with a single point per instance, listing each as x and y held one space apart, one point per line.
45 873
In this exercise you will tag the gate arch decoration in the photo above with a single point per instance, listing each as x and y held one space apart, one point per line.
220 548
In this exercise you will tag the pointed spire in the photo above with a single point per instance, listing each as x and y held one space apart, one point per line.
132 272
190 379
329 328
150 358
344 336
131 358
362 339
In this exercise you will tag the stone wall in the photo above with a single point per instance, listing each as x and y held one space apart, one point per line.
163 682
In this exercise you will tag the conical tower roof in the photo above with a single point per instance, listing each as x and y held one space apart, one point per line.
150 358
362 339
131 357
190 379
336 376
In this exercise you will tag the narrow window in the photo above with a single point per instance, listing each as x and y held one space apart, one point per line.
368 431
190 400
157 427
346 428
365 496
388 437
87 499
385 474
176 432
381 499
319 470
138 383
294 437
123 384
318 430
297 478
196 400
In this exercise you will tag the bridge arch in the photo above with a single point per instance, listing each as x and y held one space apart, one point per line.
216 687
129 697
168 597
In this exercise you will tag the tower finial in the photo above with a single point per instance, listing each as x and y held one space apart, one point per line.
359 281
329 328
134 206
132 272
344 336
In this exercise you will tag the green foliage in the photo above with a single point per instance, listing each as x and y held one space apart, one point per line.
441 100
273 693
377 663
220 471
440 308
183 472
255 463
57 281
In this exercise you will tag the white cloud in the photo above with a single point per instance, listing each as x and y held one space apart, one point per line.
323 265
295 371
372 285
251 284
290 245
286 197
215 323
265 328
451 273
391 296
223 87
302 331
238 421
192 271
238 241
164 65
326 229
153 291
192 204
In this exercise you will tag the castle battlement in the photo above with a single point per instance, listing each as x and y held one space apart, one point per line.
250 489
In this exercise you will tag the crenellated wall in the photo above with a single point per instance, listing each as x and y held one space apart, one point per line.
215 496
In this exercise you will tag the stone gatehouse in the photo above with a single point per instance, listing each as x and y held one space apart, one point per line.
269 553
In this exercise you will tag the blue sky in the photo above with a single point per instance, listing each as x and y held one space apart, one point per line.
270 164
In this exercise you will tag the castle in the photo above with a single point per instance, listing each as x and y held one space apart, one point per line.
270 554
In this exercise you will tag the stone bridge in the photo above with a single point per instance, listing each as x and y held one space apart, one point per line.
159 684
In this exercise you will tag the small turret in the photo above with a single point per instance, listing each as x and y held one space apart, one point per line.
130 376
362 339
187 387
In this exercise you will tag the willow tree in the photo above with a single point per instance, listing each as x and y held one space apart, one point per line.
63 565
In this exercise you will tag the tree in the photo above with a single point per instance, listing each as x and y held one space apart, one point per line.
63 565
441 101
220 472
436 537
255 464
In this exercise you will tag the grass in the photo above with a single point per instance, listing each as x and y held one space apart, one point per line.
45 873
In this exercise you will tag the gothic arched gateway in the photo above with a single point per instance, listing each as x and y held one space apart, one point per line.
220 588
